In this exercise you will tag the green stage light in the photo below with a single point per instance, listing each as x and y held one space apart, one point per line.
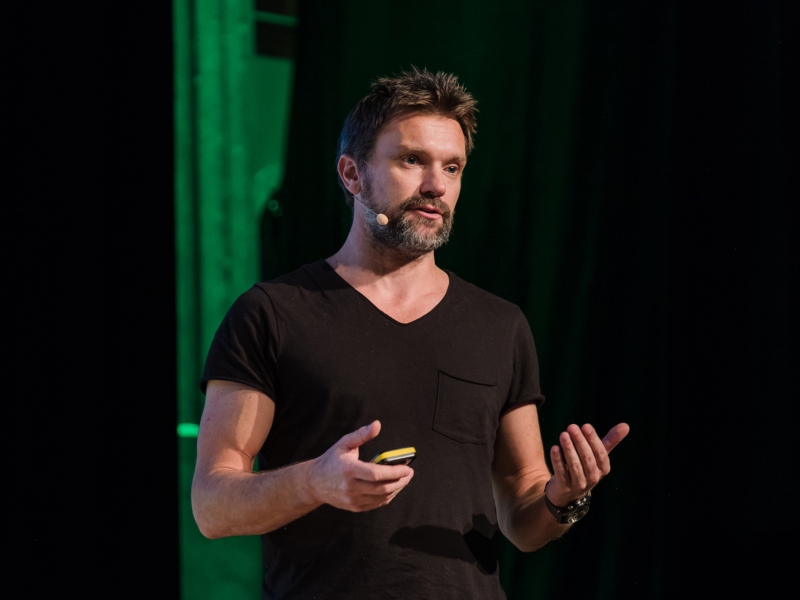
188 430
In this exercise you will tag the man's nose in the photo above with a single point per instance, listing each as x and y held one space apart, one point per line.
434 184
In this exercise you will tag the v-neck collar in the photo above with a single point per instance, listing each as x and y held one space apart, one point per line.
342 282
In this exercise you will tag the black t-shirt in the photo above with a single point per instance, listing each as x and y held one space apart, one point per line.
333 362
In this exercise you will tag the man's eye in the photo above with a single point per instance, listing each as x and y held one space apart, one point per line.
452 170
411 160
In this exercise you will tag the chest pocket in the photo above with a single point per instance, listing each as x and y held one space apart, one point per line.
464 409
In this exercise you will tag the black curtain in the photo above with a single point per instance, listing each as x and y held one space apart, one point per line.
90 477
632 190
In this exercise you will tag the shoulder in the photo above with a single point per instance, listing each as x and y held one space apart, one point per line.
304 275
312 276
263 297
469 296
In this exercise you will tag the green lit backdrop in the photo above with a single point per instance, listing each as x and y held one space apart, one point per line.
608 196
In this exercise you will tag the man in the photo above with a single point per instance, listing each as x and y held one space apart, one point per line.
377 348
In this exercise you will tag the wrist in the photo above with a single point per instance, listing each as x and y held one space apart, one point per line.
572 512
306 484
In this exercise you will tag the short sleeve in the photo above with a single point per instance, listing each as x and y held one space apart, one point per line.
244 347
525 387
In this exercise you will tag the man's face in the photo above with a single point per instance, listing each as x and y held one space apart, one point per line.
414 178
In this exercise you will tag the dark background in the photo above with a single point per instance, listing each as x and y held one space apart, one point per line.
691 318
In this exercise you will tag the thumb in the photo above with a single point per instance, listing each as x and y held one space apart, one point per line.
361 436
615 435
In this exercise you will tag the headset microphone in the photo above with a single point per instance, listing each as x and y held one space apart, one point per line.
381 218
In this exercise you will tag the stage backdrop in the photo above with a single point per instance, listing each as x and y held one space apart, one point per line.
629 190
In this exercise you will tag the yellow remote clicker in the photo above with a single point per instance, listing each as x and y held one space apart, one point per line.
401 456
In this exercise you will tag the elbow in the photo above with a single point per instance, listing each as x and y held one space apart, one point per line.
525 545
525 533
207 533
205 525
211 534
209 526
520 542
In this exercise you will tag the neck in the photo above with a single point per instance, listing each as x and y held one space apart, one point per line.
403 288
363 261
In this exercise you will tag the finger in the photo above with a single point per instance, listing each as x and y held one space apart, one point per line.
401 487
382 488
615 435
367 495
599 455
569 452
598 450
559 466
578 456
582 438
372 473
361 436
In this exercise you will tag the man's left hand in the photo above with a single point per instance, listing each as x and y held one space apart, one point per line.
580 461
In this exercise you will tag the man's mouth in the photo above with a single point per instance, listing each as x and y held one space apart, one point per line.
429 209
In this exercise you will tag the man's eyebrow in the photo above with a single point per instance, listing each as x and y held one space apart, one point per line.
456 158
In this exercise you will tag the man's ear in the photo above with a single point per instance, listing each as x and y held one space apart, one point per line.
348 173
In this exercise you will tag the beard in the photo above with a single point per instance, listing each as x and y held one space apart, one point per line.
409 234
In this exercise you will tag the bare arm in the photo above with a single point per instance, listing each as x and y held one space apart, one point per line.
228 498
521 474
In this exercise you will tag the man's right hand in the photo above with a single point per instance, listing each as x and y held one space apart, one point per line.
229 499
340 479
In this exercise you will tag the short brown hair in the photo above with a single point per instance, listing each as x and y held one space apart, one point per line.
412 91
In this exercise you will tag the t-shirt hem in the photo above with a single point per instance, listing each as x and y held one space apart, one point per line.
205 380
537 400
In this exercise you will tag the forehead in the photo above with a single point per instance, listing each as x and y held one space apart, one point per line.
431 133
